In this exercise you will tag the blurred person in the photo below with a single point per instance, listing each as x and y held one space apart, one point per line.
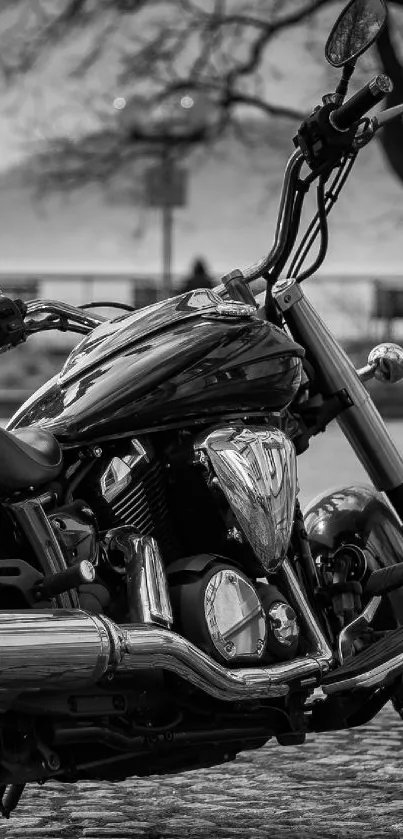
198 278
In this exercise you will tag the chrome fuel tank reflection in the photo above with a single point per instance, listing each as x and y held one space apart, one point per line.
256 470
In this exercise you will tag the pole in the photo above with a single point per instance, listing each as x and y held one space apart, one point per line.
167 226
167 229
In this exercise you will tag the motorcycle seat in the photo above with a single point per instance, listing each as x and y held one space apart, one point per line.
28 457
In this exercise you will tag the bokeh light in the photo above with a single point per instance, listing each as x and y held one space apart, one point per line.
187 102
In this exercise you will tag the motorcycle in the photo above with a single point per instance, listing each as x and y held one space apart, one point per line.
164 602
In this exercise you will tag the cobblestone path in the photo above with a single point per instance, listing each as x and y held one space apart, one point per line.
336 785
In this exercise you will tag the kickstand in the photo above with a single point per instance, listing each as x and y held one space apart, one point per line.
10 796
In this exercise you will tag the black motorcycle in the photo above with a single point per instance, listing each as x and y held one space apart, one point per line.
164 604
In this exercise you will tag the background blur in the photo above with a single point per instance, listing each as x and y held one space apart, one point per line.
137 136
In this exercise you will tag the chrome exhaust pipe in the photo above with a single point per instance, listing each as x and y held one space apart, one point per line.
73 649
69 649
147 646
55 649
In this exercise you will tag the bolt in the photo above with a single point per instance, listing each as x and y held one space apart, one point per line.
230 649
231 578
287 298
259 645
53 761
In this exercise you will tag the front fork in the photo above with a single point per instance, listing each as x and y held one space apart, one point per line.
360 421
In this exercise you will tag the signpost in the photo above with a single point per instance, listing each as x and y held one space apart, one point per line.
165 187
176 119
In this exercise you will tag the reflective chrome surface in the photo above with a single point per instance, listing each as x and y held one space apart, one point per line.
147 587
361 423
256 470
112 336
354 629
153 647
234 616
118 473
387 360
356 28
253 272
65 310
59 649
374 677
284 624
313 631
52 649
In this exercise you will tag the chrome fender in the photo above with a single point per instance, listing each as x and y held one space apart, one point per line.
360 516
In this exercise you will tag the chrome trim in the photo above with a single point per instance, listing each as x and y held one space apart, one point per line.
361 423
371 678
354 629
154 647
118 473
284 624
316 636
387 361
257 472
253 272
291 173
63 649
147 586
52 649
234 616
56 307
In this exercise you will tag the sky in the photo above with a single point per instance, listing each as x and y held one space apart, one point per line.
47 102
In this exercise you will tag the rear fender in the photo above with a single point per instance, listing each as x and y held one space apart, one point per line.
360 516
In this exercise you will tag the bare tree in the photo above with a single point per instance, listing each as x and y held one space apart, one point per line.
183 69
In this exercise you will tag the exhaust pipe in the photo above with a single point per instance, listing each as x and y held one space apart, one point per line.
73 649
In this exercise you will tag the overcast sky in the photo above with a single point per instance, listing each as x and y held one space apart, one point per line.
47 102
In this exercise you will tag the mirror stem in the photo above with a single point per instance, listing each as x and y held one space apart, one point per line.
342 86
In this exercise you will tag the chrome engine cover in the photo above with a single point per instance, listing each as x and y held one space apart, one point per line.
256 469
234 616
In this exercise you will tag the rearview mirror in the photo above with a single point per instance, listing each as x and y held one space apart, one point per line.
355 30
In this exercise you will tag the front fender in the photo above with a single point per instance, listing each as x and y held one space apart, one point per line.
359 515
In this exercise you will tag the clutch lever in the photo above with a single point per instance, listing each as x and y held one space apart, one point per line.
371 126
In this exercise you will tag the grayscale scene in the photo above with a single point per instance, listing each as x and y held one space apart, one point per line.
201 419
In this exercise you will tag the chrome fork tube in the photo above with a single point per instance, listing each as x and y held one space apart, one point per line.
316 638
360 422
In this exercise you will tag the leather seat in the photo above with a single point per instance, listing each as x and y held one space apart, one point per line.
28 457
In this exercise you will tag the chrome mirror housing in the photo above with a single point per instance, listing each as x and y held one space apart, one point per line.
385 363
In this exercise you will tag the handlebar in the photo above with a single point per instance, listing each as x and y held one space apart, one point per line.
75 320
344 117
291 174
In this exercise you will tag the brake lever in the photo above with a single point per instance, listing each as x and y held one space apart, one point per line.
371 126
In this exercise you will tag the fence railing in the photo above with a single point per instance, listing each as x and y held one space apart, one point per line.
353 306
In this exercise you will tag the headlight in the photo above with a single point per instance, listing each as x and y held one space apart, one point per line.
256 470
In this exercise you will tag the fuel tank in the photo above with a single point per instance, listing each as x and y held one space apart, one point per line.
189 359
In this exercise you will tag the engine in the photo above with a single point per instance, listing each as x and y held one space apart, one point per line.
207 584
221 600
131 489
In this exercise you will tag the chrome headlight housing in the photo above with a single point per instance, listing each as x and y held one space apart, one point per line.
256 470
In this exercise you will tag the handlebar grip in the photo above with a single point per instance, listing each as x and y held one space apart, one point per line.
344 117
12 326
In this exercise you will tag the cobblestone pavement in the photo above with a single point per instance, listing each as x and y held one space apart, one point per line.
336 785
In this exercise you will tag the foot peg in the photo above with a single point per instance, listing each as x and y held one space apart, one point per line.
374 667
